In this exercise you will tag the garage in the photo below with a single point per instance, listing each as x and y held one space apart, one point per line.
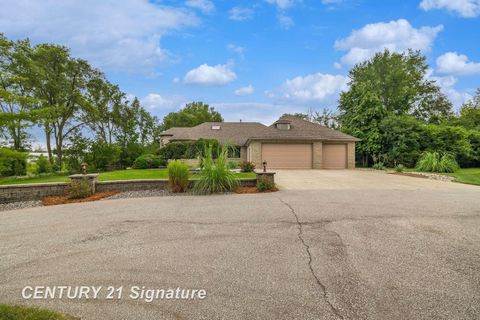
287 156
334 156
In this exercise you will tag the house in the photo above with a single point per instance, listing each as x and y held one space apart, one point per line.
290 142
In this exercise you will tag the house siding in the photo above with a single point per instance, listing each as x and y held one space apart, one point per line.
255 153
351 155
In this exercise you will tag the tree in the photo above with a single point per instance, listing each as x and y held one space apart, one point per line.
299 115
389 84
470 113
60 82
326 118
192 114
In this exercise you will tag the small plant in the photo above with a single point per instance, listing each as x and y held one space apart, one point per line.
147 161
399 168
43 165
178 175
215 175
436 162
247 166
232 165
80 188
265 185
379 166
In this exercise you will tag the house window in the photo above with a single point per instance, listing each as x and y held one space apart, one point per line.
215 127
234 152
283 126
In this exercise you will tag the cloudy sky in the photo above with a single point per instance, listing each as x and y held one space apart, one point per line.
252 60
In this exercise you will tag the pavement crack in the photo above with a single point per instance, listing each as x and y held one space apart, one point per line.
310 259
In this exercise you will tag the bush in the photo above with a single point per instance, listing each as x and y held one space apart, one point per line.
12 163
379 166
79 188
232 165
215 175
43 165
31 313
399 168
187 149
265 185
436 162
178 174
147 161
247 166
103 155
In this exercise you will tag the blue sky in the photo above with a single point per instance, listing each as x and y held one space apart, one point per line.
252 60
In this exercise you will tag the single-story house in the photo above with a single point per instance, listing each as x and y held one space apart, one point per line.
289 142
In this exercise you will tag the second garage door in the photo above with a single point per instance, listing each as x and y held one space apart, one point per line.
334 156
288 156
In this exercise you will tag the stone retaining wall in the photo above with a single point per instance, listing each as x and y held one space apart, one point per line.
28 192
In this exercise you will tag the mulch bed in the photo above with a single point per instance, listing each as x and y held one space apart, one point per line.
51 201
244 190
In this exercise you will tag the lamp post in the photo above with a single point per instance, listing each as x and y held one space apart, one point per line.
264 166
84 168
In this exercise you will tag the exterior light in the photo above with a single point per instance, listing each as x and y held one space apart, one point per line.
264 166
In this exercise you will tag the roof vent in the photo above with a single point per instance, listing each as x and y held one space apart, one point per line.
215 127
283 126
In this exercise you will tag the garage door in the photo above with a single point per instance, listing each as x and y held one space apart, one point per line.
334 156
288 156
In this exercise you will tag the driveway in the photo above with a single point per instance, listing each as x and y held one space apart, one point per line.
383 247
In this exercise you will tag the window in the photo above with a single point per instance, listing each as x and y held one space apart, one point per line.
283 126
234 152
215 127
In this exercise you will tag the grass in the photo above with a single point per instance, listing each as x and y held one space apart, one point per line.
132 174
8 312
467 175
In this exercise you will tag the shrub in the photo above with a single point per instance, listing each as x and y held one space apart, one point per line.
12 163
247 166
80 188
436 162
31 313
379 166
178 174
187 149
399 168
43 165
265 185
215 176
147 161
232 165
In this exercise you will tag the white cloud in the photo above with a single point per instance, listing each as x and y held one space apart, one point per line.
314 87
397 36
285 21
465 8
241 13
237 49
282 4
337 65
453 63
206 6
158 103
447 85
115 35
245 91
265 113
218 75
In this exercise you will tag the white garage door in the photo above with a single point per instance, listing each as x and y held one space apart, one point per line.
287 156
334 156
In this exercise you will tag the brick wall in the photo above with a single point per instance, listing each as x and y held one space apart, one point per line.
351 155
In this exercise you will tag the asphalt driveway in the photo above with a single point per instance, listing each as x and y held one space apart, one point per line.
382 247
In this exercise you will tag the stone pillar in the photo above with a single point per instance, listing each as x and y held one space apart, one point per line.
92 179
268 177
351 155
317 155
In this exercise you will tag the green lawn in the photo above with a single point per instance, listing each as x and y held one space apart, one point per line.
106 176
468 175
24 313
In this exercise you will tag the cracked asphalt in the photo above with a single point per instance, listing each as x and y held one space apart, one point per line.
340 245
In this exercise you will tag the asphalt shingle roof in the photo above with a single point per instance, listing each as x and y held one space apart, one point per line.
239 133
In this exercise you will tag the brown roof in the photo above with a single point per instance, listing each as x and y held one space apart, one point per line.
302 130
239 133
236 133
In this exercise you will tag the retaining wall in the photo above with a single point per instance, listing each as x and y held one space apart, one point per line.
28 192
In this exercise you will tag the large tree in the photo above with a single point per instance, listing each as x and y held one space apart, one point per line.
192 114
389 84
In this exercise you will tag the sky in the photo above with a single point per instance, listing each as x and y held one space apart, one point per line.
252 60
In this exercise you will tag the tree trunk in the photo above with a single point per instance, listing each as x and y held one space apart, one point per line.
47 140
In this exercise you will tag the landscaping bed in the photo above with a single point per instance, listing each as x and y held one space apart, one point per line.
54 200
